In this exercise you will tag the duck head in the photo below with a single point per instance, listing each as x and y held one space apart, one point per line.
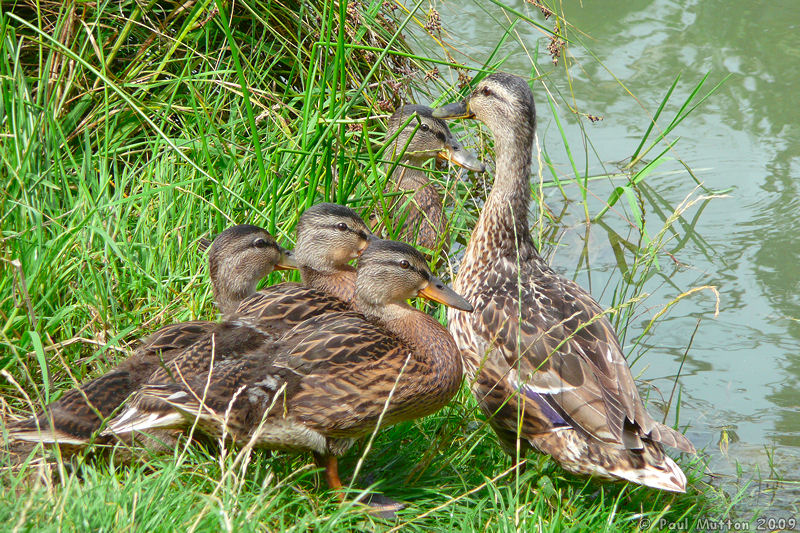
391 272
329 236
422 137
239 258
504 102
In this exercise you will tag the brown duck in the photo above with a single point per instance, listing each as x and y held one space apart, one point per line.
328 381
238 258
329 237
418 210
543 358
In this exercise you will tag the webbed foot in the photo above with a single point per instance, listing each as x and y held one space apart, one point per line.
379 504
382 506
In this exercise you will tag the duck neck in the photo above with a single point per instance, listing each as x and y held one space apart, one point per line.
503 224
432 344
407 178
228 296
384 313
431 341
339 283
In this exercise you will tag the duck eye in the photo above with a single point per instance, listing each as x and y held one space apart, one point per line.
260 243
424 127
486 91
404 264
341 226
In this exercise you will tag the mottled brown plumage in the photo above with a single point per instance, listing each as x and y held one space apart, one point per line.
329 236
238 258
538 348
419 210
328 380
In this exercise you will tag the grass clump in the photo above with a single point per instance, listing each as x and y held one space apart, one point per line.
132 129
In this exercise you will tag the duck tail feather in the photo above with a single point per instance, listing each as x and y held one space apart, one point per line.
672 438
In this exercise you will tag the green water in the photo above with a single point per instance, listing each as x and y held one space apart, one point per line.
742 373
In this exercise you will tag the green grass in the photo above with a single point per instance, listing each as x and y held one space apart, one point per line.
132 129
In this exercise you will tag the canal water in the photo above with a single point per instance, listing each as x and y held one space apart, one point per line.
740 382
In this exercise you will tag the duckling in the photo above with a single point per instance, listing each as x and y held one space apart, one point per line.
238 258
543 358
420 139
329 380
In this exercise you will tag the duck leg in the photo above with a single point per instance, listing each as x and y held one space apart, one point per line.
331 465
380 505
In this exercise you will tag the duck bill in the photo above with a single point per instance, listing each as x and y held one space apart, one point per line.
454 110
455 153
286 261
439 292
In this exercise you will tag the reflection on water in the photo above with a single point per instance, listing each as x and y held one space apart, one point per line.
742 373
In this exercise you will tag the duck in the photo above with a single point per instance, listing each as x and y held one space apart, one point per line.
238 259
328 237
542 357
414 138
330 380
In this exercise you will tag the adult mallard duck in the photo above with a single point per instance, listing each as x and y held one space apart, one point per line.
238 258
420 138
545 363
328 381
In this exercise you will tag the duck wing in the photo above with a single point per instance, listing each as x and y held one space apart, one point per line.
228 396
279 308
80 412
318 373
556 343
174 337
225 346
335 340
75 417
353 373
